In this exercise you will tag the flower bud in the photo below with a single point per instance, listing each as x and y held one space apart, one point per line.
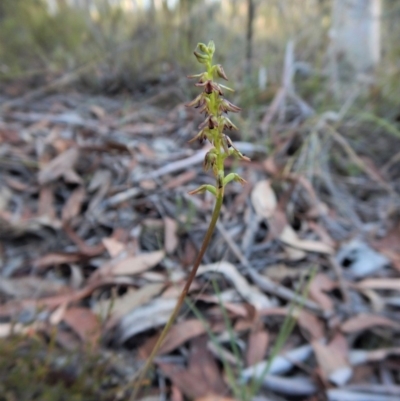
201 58
211 47
209 160
221 72
203 47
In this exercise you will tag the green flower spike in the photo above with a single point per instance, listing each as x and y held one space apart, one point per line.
211 102
216 107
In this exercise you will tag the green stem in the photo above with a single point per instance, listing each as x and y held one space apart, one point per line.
192 275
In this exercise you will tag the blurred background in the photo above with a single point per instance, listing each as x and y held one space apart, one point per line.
126 45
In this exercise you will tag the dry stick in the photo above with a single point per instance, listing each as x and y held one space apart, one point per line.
192 275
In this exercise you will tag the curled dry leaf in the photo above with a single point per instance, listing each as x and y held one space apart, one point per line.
113 246
180 333
250 293
138 264
84 323
120 306
201 377
264 199
333 365
60 166
257 346
73 205
380 284
289 237
321 283
152 315
311 324
53 259
367 321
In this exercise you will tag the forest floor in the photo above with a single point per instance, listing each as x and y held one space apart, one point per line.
98 234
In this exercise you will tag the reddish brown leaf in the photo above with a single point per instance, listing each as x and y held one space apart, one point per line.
202 377
59 166
84 322
318 286
54 259
364 322
311 324
113 246
178 335
86 250
257 346
73 205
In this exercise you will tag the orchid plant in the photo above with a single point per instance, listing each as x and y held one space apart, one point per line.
210 101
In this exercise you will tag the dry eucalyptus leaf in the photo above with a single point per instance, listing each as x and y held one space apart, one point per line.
333 364
264 199
73 205
250 293
120 306
138 264
59 166
113 246
150 316
367 321
257 346
380 284
289 237
84 323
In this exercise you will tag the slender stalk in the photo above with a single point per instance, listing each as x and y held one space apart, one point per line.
192 275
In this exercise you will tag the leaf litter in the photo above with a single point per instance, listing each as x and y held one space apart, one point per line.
98 235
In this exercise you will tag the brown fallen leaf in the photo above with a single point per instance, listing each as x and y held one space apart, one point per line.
61 165
257 346
289 237
73 205
170 235
113 246
380 284
202 377
250 293
84 323
58 258
88 251
178 335
138 264
333 365
321 283
367 321
309 322
120 306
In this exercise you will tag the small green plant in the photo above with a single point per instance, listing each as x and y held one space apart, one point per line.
215 106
